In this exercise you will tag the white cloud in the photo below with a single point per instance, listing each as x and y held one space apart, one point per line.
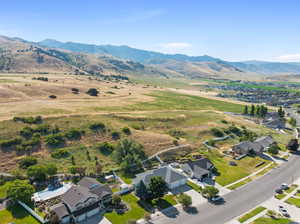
289 58
175 47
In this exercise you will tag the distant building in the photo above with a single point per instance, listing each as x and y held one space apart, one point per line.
173 178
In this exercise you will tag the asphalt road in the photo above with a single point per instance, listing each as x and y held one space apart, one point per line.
240 201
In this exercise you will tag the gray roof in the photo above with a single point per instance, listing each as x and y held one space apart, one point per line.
200 167
246 146
265 141
60 210
167 173
77 194
95 187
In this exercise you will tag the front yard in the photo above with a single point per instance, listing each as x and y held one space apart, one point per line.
293 201
265 220
17 215
135 211
251 214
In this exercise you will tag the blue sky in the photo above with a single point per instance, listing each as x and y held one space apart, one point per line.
228 29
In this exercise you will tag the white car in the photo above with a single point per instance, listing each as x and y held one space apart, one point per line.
284 186
283 211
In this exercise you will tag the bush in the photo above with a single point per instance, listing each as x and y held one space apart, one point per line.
115 135
274 149
10 142
185 200
26 132
105 148
97 127
60 153
29 120
55 140
73 134
176 133
52 97
126 131
92 92
28 146
217 132
27 162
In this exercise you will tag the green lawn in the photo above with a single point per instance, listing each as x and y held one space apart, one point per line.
293 201
229 174
165 202
239 184
291 188
127 178
251 214
135 211
280 196
265 220
17 215
194 186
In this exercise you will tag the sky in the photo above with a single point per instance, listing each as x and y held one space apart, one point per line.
233 30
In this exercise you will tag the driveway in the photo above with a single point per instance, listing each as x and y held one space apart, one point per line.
96 219
241 200
197 198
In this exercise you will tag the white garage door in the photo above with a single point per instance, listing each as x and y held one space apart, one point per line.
81 217
93 212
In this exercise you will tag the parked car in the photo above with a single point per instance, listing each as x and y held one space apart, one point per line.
278 191
216 198
284 186
283 211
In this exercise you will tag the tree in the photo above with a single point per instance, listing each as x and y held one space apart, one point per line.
116 200
73 160
141 191
115 135
129 155
92 92
245 110
185 200
293 145
217 132
27 162
55 140
293 122
274 149
252 111
73 134
97 127
281 112
37 172
258 111
51 169
157 187
98 168
20 190
210 191
106 148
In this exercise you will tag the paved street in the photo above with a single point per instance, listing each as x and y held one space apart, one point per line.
239 201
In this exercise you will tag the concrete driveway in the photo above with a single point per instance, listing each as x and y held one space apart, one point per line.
197 198
96 219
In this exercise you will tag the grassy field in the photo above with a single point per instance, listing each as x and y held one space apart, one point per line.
135 211
265 87
280 196
251 214
265 220
17 215
3 190
291 188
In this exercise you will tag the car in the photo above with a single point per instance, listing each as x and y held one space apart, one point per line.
278 191
216 198
284 186
283 211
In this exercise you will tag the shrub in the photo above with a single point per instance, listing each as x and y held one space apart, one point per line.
105 148
60 153
217 132
274 149
126 131
26 132
185 200
52 97
97 127
92 92
10 142
27 162
55 140
73 134
29 120
138 126
115 135
176 133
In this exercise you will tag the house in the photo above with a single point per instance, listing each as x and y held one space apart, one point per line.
274 121
199 169
82 201
173 178
265 141
247 147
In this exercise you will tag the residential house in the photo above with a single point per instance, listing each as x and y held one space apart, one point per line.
247 147
274 121
82 201
265 141
173 178
199 169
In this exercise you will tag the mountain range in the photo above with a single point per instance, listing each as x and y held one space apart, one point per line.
52 56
